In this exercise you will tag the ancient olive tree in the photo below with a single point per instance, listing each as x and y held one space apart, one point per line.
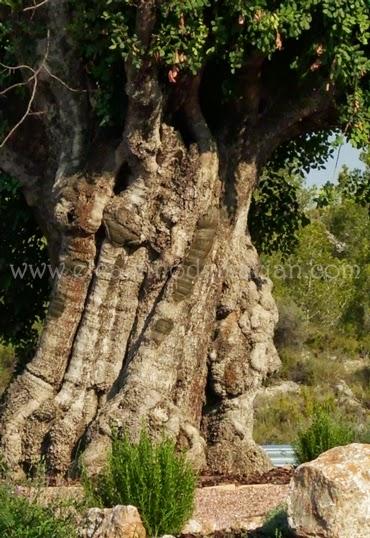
138 130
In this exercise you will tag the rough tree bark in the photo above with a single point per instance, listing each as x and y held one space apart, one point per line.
162 316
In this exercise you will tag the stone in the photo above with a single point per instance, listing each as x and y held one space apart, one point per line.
200 528
236 454
267 393
346 397
192 527
330 496
117 522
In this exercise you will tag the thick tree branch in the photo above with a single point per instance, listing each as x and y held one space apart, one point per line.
141 137
250 88
145 21
70 132
289 118
194 115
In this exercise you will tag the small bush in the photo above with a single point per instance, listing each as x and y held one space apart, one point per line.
150 476
22 518
276 524
323 433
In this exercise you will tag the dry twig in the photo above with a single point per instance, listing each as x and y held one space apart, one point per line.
33 78
36 6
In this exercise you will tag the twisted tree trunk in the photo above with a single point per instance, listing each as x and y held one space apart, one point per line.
161 319
161 316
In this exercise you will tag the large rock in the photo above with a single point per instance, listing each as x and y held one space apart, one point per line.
117 522
330 496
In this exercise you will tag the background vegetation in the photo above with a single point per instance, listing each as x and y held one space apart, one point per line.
22 300
322 286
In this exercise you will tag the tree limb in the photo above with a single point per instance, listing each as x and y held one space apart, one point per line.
194 115
69 133
145 103
289 118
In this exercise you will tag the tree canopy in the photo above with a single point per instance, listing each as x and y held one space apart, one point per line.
308 43
315 51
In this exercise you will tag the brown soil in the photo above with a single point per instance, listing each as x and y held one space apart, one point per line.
277 476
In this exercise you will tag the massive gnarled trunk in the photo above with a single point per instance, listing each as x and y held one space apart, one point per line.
161 319
161 316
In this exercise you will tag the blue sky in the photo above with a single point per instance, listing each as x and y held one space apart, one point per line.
347 155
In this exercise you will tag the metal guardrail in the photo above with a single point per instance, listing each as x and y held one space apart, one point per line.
280 455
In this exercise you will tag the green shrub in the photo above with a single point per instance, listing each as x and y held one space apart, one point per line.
150 476
22 518
312 369
279 419
324 432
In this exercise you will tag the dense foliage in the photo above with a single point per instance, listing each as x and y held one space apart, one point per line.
326 40
276 215
315 42
150 476
22 298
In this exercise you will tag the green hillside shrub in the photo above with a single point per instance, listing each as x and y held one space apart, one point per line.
323 433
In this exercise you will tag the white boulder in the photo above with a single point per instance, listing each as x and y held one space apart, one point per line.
330 496
117 522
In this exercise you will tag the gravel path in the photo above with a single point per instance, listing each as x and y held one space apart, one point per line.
231 507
